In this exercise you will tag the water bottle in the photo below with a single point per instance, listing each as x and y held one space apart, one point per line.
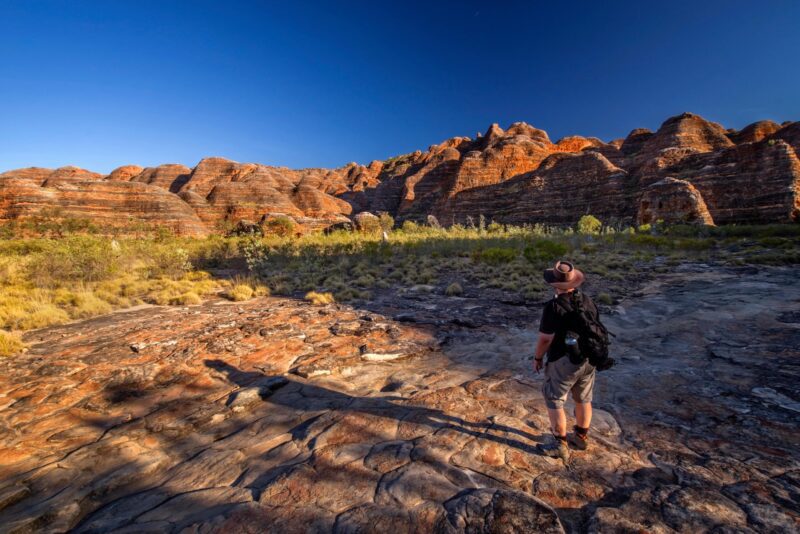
573 350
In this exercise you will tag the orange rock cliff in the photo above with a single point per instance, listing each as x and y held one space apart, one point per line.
689 170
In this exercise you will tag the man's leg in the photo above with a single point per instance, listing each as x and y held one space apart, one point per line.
555 393
558 421
582 395
583 414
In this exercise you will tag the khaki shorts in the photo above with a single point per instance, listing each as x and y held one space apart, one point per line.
562 376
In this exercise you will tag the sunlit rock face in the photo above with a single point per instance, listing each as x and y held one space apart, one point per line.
672 201
124 173
517 175
755 132
170 176
109 205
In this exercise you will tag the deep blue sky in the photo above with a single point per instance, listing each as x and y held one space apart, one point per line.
101 84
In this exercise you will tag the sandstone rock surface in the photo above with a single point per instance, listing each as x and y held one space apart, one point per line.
752 133
108 204
516 175
124 173
264 416
170 176
52 177
672 201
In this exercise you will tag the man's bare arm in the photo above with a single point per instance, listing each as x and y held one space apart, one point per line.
542 344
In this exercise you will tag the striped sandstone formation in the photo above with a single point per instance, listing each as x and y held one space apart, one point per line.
674 201
517 175
110 205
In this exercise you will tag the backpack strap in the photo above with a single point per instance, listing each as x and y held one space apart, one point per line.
562 304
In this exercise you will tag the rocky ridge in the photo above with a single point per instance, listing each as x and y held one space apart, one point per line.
517 175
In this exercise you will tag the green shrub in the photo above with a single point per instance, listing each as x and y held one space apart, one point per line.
74 259
454 290
167 261
605 298
280 226
763 230
495 255
775 242
8 230
589 225
368 223
163 234
542 251
410 227
386 221
215 251
365 281
663 242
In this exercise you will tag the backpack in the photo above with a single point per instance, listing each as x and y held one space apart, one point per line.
592 335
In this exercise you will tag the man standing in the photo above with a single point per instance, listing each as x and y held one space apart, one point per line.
566 370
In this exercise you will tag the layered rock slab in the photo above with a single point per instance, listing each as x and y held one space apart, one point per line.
106 203
230 415
749 183
672 201
172 437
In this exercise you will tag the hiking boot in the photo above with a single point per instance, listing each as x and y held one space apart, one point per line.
556 448
578 440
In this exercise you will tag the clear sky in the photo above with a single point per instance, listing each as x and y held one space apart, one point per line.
104 83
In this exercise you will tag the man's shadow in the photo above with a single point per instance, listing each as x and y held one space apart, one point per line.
315 397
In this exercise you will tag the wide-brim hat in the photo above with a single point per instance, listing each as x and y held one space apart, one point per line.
564 275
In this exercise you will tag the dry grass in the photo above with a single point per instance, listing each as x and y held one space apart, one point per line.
239 292
319 299
52 281
10 343
190 298
45 282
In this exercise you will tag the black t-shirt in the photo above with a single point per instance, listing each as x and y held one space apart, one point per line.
556 319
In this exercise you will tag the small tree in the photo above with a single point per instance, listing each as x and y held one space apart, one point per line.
386 221
280 226
368 223
410 227
589 225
